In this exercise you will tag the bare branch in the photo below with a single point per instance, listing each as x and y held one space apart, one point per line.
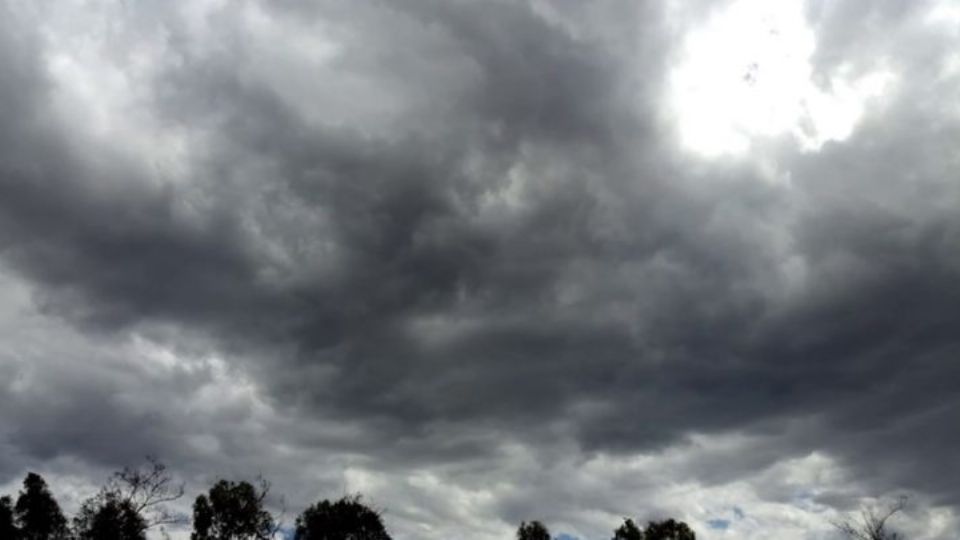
147 489
872 524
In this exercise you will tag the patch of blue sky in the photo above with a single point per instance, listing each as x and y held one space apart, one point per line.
719 524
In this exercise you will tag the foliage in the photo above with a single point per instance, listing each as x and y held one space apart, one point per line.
628 531
202 519
37 513
233 511
107 516
344 519
7 527
668 530
533 530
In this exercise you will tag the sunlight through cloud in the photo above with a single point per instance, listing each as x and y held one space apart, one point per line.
747 73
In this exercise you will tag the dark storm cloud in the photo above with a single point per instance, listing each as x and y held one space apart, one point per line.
510 241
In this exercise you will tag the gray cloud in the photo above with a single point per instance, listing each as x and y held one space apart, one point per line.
418 238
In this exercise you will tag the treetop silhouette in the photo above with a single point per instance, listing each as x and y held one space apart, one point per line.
344 519
109 517
233 511
533 530
628 531
37 515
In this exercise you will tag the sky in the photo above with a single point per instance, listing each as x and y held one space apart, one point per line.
486 262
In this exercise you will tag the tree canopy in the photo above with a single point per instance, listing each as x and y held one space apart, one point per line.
232 511
8 528
533 530
628 531
668 530
344 519
37 514
107 516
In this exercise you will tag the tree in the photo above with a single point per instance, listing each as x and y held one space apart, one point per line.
344 519
533 530
146 491
37 513
668 530
7 527
872 524
202 519
133 501
109 517
628 531
233 511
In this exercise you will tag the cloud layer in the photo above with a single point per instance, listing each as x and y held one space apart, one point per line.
461 257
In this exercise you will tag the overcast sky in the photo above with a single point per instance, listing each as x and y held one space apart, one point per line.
489 261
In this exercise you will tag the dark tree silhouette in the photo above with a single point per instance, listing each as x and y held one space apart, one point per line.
146 490
108 517
233 511
37 513
628 531
668 530
533 530
344 519
7 527
872 524
202 519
